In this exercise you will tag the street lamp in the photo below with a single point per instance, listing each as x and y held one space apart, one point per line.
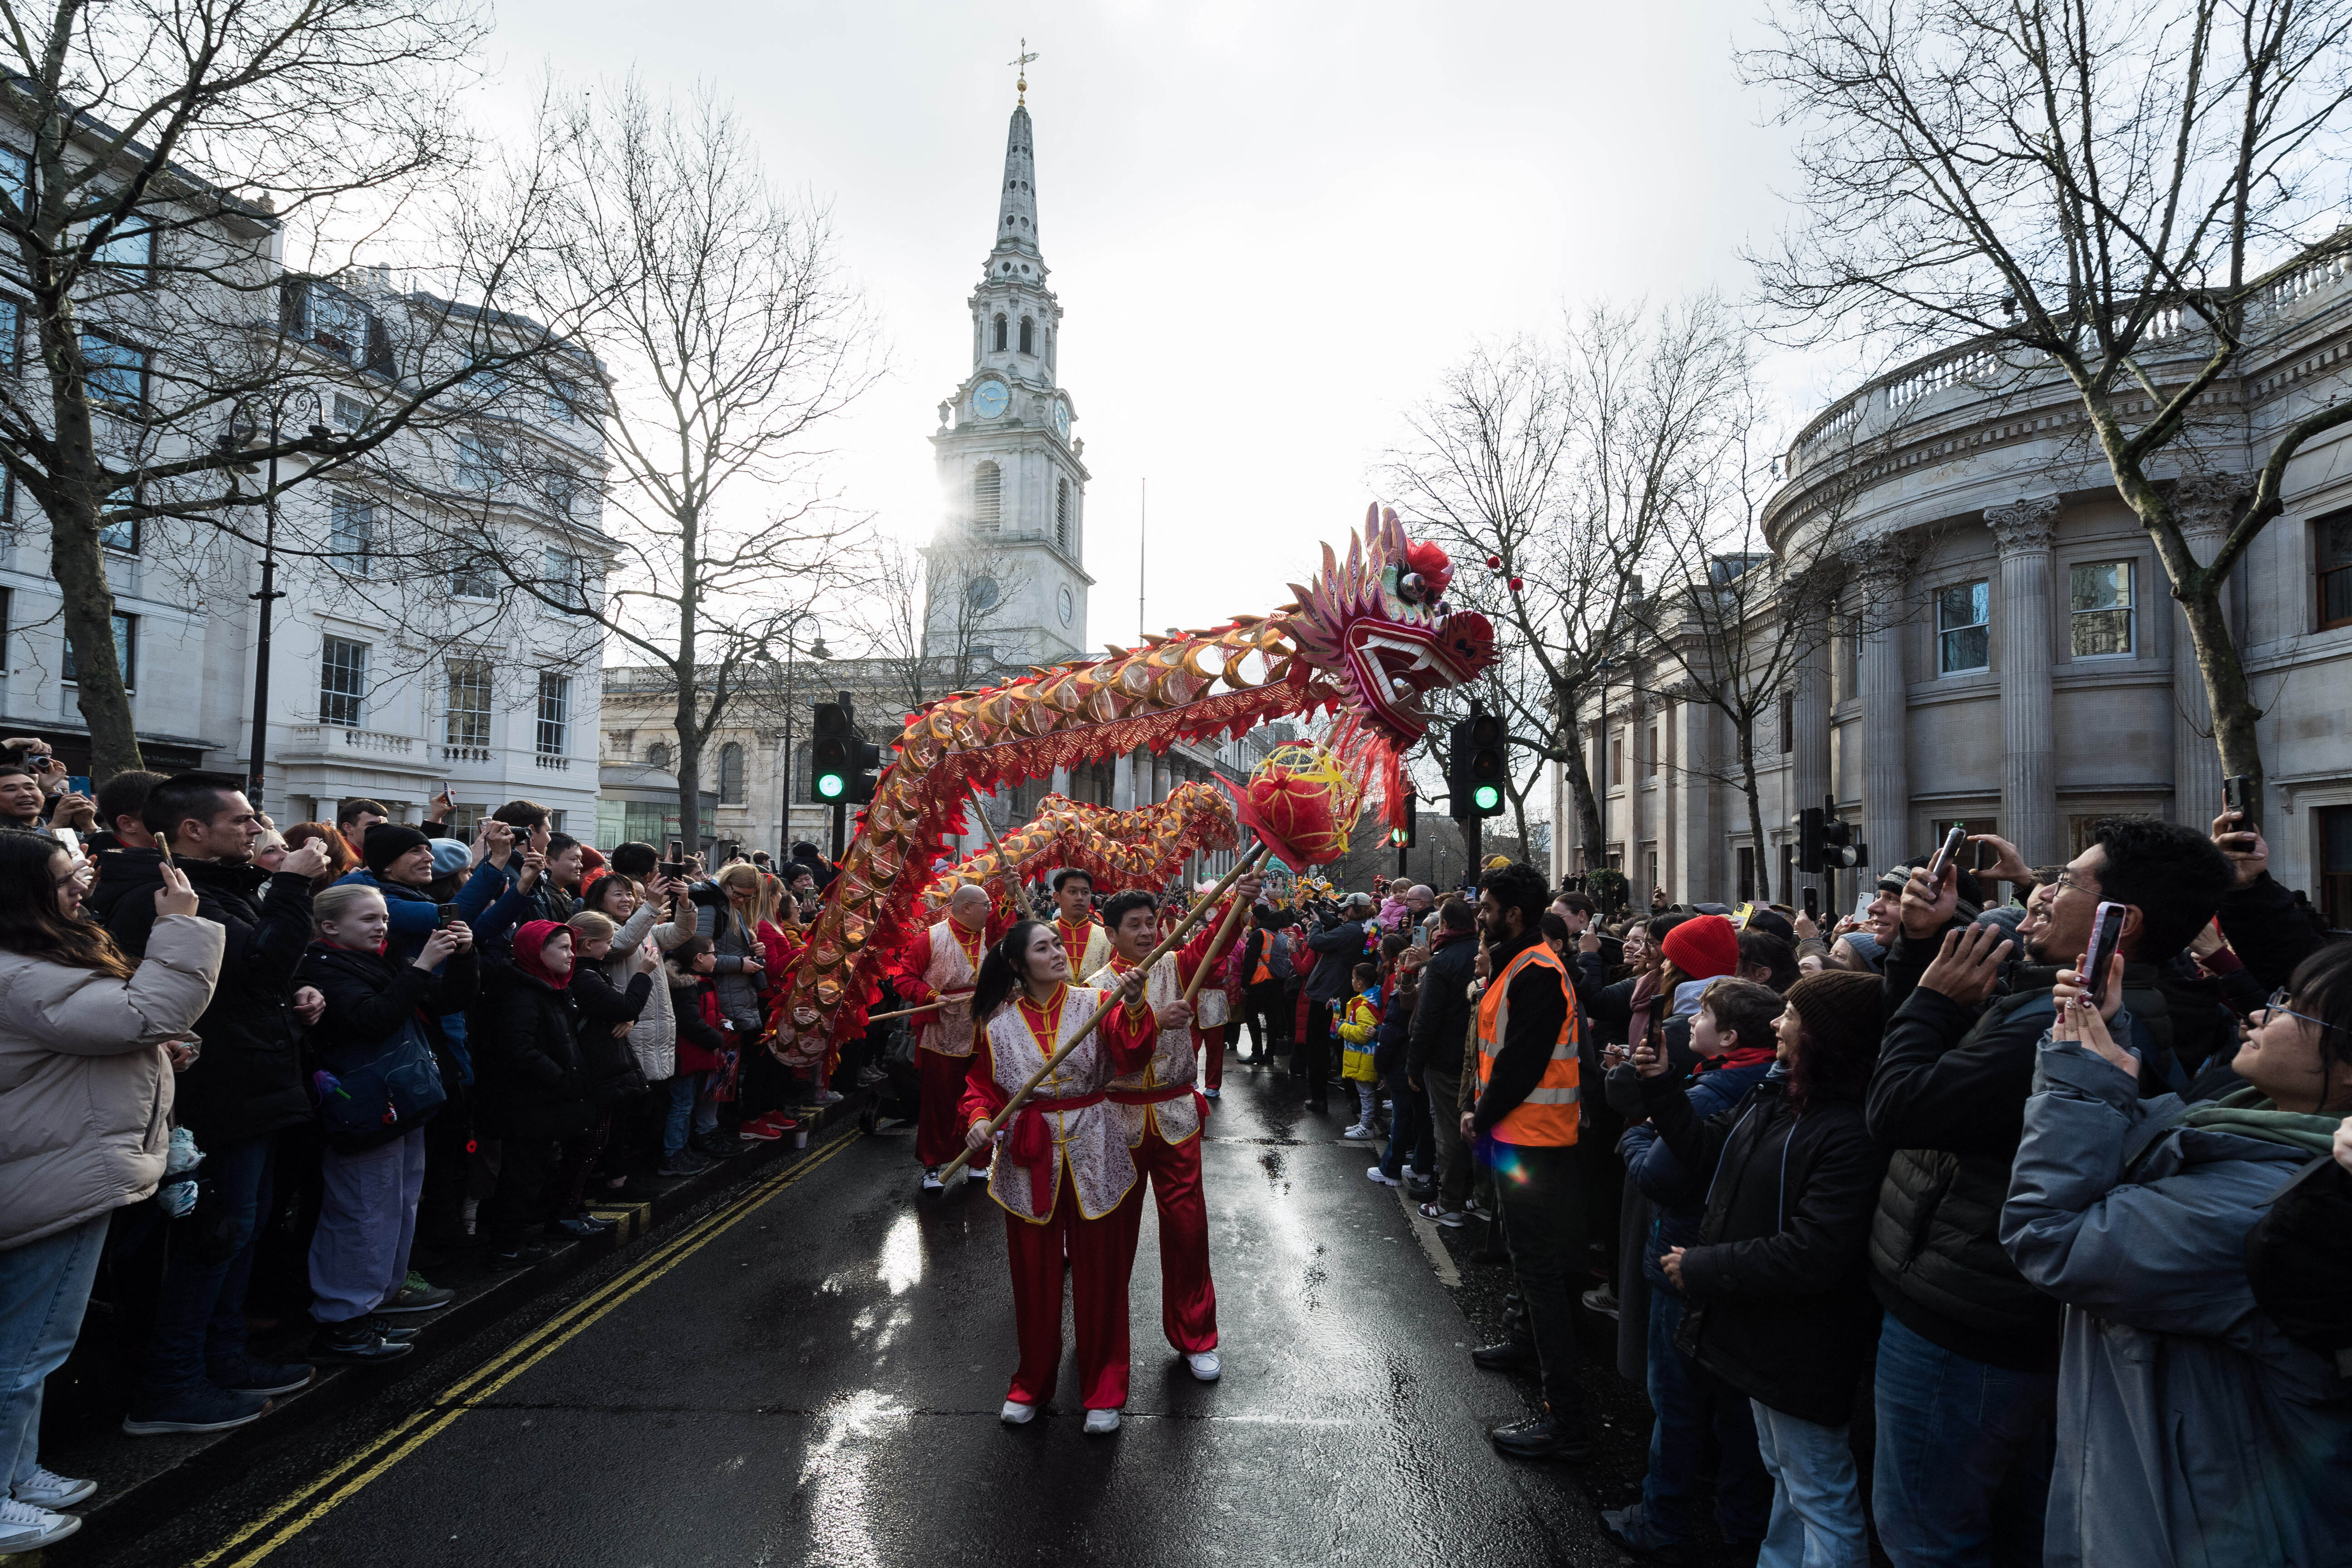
1600 791
243 428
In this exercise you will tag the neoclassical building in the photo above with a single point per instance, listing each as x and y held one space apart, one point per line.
2017 664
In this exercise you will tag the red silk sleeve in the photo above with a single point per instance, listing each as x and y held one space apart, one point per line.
1129 1035
907 976
982 1097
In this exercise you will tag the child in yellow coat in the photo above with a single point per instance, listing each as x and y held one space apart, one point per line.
1359 1026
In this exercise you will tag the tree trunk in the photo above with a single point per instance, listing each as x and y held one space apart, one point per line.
2225 678
682 673
1746 730
79 562
1579 783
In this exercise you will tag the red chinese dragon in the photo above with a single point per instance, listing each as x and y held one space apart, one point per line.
1366 640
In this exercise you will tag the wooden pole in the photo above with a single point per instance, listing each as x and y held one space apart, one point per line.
910 1011
1168 944
1224 933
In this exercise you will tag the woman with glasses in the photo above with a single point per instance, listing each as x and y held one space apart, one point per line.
2191 1427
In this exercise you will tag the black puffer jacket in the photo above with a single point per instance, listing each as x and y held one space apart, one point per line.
118 871
247 1083
529 1077
1780 1307
1441 1018
609 1064
372 998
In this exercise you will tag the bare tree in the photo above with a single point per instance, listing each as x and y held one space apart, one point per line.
2086 190
725 335
934 617
1559 463
178 188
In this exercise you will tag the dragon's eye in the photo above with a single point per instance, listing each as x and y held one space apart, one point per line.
1409 587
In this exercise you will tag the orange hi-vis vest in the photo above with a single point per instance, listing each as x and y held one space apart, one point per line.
1547 1116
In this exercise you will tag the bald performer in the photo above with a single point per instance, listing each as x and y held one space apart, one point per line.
944 962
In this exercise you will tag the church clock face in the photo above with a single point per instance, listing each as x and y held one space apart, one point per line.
1069 605
1061 419
989 399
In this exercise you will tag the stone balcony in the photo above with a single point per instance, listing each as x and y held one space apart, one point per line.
344 741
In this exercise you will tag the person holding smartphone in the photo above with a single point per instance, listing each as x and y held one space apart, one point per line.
1968 1355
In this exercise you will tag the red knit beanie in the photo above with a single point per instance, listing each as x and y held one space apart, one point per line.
1703 947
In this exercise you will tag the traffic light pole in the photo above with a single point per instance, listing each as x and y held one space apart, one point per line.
840 827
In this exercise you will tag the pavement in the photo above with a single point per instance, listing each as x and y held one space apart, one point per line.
808 1369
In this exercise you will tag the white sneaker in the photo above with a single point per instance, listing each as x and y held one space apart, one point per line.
1357 1132
1100 1422
1205 1365
49 1489
1382 1177
931 1183
1208 1094
1017 1414
24 1528
1412 1175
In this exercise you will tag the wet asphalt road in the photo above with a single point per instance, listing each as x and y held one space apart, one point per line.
818 1382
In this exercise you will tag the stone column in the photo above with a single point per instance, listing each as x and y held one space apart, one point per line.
1887 764
1696 828
2026 631
1061 785
1809 749
1122 783
2204 504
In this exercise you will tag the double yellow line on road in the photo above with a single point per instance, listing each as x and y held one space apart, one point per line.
304 1508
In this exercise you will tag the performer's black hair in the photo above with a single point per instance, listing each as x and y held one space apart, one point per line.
1120 905
1001 970
1066 872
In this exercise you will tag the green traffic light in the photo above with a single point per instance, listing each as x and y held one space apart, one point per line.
1487 797
831 785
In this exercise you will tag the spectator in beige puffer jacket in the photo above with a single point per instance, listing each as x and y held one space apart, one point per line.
88 1046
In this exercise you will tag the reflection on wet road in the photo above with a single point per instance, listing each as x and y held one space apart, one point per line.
819 1385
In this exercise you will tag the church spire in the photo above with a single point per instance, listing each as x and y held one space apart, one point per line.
1017 224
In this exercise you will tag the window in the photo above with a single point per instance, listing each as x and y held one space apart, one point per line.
986 487
1650 752
468 720
568 583
130 250
555 713
350 412
1000 335
562 400
335 323
563 490
658 755
1028 335
1062 513
117 372
1788 721
2332 548
121 534
1616 760
730 774
1963 630
12 336
342 682
479 460
2335 865
350 534
126 651
2099 618
1747 893
471 580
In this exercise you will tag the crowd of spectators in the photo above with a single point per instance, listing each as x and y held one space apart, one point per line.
265 1092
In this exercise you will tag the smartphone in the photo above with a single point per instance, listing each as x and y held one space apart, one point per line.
2106 931
78 784
673 869
1812 903
448 914
2241 794
678 849
70 841
1946 850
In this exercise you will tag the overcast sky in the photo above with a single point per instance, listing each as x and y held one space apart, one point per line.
1270 227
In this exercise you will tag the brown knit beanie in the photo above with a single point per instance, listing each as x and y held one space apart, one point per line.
1844 1011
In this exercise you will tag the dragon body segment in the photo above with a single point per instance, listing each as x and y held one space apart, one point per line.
1365 640
1120 849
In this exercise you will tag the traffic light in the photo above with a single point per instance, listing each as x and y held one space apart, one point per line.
1841 850
864 760
1402 837
1809 842
1484 769
829 754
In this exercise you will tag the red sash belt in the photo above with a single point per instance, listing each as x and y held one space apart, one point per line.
1029 1145
1148 1096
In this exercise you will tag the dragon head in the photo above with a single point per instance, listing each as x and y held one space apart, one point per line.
1380 626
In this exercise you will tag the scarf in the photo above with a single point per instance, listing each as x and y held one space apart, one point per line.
2249 1113
1637 1020
531 954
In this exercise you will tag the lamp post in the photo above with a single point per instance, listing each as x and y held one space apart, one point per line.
243 428
818 650
1600 790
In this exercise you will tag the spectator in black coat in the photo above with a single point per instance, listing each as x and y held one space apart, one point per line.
1441 1026
1339 947
1778 1303
609 1066
378 1041
244 1088
531 1091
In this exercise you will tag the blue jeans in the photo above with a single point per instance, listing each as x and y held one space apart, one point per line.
1963 1456
685 1091
43 1288
1816 1494
1409 1138
1689 1401
200 1314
